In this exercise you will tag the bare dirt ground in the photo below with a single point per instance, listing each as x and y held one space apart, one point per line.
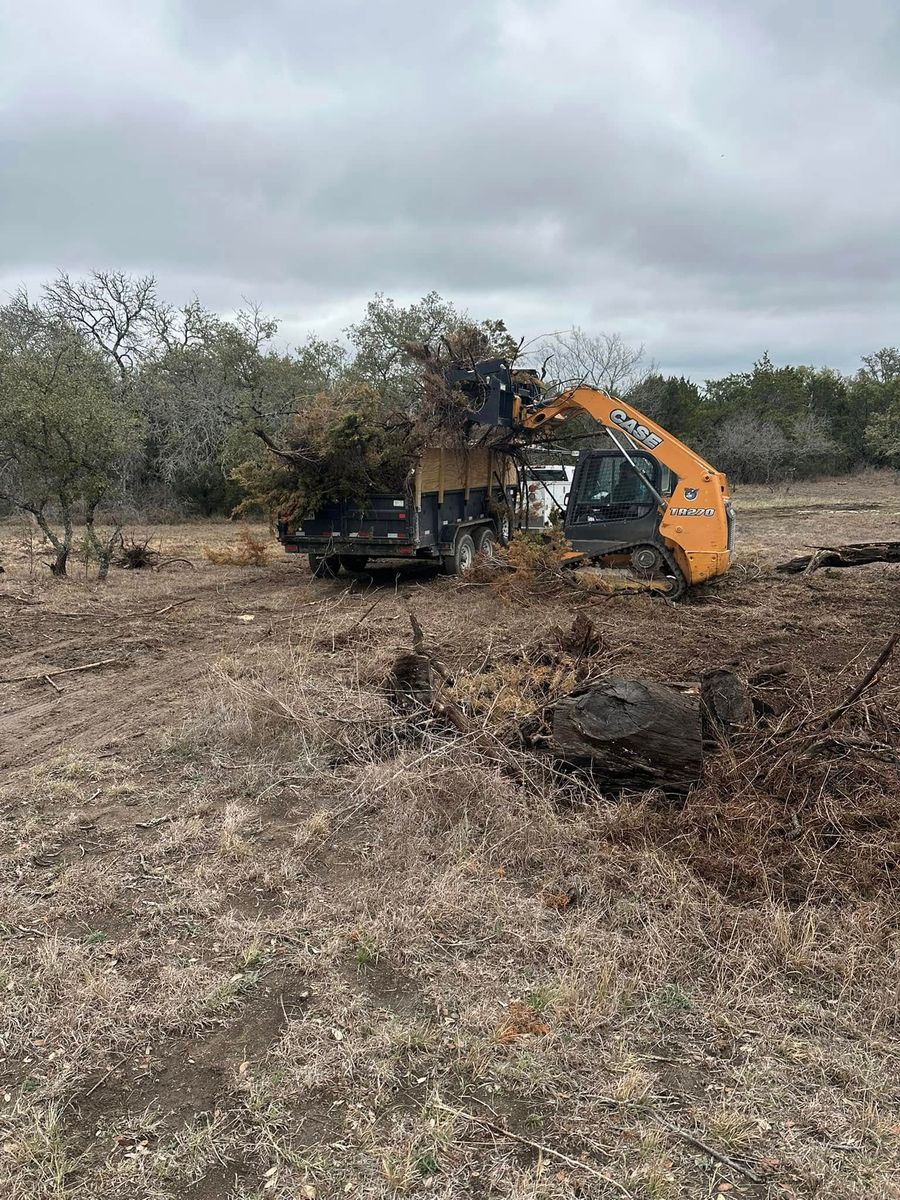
259 942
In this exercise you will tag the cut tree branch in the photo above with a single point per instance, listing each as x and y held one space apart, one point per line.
103 662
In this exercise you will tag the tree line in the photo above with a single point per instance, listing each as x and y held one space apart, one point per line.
114 403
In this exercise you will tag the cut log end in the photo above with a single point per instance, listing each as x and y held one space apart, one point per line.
632 734
726 705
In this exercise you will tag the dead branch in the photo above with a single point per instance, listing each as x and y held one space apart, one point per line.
48 675
167 562
158 612
718 1155
502 1131
870 676
853 554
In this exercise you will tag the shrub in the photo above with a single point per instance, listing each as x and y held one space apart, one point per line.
250 551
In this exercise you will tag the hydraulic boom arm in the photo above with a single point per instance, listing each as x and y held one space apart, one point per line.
695 521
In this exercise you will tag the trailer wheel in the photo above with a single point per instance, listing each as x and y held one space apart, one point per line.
486 542
503 527
324 566
354 563
462 557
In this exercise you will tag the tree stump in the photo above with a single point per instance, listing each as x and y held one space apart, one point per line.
726 706
632 734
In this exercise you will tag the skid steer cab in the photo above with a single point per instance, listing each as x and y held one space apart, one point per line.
612 503
620 509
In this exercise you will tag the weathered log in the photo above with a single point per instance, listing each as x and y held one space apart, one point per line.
632 734
854 554
725 704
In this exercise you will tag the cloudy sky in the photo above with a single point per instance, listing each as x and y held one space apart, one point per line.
707 177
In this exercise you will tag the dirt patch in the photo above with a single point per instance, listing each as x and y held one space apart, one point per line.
228 851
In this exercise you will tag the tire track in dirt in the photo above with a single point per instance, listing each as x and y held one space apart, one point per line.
164 657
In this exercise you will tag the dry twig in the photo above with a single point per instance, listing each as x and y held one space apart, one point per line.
886 651
103 662
710 1150
502 1131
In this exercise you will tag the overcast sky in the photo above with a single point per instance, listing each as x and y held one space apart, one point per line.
710 178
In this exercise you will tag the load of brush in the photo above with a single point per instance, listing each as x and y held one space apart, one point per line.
362 437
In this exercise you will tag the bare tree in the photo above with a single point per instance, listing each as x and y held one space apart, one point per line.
112 308
750 449
602 360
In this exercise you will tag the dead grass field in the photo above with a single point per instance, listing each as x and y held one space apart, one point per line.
259 941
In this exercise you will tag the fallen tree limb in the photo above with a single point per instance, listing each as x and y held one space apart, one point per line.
167 562
48 675
853 554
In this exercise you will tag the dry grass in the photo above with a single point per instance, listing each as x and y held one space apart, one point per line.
290 948
250 550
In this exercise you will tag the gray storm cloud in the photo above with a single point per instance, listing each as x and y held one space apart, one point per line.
710 179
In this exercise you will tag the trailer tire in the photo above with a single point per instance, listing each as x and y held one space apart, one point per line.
462 557
486 542
354 563
324 566
504 525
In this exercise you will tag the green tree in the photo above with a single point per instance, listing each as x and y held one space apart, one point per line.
831 403
768 393
674 402
875 399
883 437
65 428
388 345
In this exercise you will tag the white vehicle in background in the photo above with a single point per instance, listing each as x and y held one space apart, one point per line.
548 487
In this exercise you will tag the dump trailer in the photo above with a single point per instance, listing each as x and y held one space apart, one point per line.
458 502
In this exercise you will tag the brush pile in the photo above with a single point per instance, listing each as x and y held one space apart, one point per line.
537 563
137 555
779 797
